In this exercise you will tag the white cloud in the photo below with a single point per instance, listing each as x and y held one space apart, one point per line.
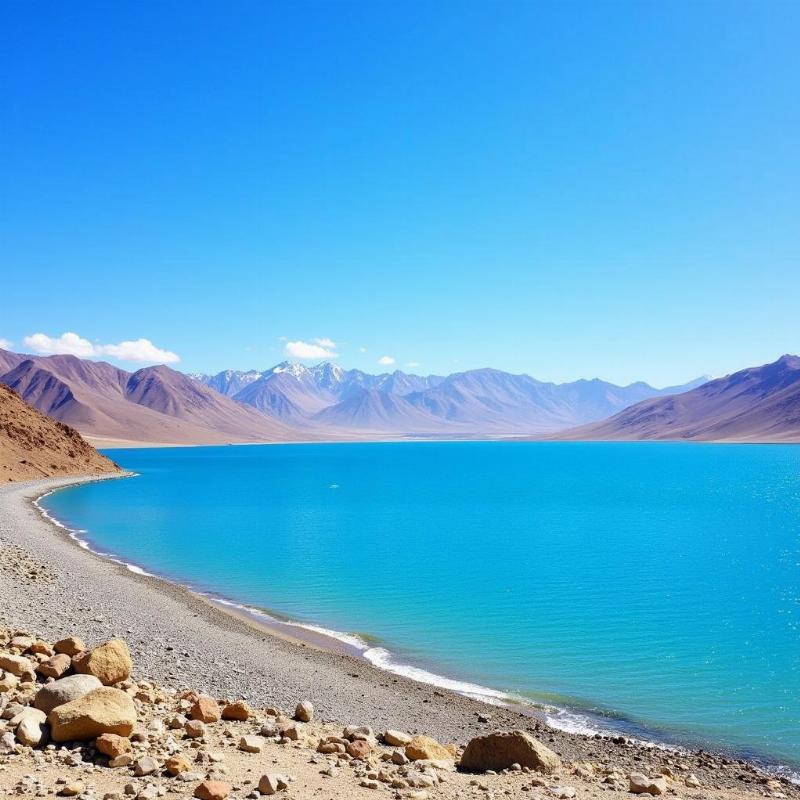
138 350
5 344
141 350
300 349
69 343
386 361
328 344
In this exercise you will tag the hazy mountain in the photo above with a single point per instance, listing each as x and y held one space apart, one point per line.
757 404
479 401
154 404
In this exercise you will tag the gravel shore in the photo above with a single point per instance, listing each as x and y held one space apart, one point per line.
49 584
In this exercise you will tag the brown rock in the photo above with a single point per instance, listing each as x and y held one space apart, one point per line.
359 748
175 765
41 648
396 738
111 745
212 790
110 663
103 710
70 646
206 709
423 747
304 711
55 666
500 750
194 728
641 784
237 711
16 665
271 783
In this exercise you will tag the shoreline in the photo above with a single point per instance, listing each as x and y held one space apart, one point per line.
449 713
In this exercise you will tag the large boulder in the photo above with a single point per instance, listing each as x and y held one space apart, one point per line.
109 662
642 784
63 691
104 710
500 750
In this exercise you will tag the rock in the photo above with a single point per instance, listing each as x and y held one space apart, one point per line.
146 765
237 711
8 682
692 781
55 666
41 648
358 732
111 745
125 760
31 728
271 783
499 750
359 748
21 643
103 710
212 790
175 765
194 728
110 662
71 789
251 744
304 711
423 747
206 709
65 690
641 784
70 646
16 665
396 738
8 744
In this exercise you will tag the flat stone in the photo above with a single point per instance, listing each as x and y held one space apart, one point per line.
251 744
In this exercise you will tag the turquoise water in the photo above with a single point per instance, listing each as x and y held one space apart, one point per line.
654 585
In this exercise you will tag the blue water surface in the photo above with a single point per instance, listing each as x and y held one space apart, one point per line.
658 583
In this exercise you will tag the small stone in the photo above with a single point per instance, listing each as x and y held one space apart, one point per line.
423 747
205 709
55 666
304 711
396 738
111 745
641 784
175 765
250 744
359 749
239 711
16 665
71 789
212 790
146 765
70 646
194 728
271 783
125 760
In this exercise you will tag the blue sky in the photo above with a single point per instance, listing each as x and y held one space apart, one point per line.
568 189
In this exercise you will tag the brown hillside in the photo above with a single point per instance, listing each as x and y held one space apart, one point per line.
34 446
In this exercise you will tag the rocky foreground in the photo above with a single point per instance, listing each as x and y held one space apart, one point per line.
75 722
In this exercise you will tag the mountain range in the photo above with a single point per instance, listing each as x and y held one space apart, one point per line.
759 404
478 402
292 402
154 404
